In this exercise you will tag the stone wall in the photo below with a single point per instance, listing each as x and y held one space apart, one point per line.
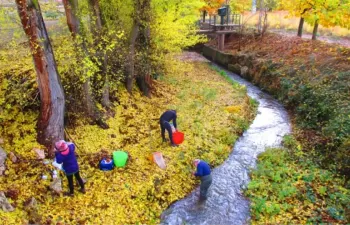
248 66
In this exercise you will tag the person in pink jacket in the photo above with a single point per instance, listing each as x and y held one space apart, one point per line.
65 155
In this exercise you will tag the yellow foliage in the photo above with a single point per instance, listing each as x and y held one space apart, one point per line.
234 109
139 192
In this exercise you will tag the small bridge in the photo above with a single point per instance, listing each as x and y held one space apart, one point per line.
220 26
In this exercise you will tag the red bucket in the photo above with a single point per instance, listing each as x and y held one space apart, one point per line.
178 137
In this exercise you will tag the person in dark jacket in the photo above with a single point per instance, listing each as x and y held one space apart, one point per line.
204 173
165 118
65 154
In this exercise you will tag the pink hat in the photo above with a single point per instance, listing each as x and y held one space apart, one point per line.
62 147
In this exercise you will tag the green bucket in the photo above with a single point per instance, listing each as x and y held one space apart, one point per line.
120 158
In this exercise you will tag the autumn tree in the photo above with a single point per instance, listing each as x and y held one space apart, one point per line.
330 13
71 10
240 6
100 30
324 12
130 64
211 6
299 9
51 118
80 45
327 13
143 77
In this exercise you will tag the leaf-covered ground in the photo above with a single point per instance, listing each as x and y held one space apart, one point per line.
211 112
287 188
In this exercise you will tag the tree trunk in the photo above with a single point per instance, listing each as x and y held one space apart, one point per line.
300 28
97 13
130 67
88 99
261 17
51 118
71 7
144 79
100 24
314 32
73 22
105 90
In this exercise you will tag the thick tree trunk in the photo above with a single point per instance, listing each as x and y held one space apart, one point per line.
300 28
314 32
130 67
144 82
51 118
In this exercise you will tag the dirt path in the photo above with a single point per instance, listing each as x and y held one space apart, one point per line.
344 41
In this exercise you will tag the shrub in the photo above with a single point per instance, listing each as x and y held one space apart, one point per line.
285 189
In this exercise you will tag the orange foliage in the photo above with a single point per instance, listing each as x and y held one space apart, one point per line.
292 50
211 6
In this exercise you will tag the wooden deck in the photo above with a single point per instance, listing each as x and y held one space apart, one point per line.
215 24
229 25
219 29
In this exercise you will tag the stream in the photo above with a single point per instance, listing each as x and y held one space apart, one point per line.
226 203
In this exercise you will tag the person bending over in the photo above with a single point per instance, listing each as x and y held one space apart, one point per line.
204 173
165 118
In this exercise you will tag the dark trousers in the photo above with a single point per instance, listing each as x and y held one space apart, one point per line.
164 125
205 184
71 184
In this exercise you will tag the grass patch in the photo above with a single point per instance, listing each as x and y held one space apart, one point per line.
234 83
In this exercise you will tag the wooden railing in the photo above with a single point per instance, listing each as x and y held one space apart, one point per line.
215 22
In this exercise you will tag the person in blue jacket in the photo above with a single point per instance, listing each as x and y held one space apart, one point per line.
204 173
107 163
65 155
165 118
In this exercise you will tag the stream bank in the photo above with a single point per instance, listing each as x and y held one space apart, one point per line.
226 203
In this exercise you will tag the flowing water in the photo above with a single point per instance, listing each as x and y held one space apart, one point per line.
226 203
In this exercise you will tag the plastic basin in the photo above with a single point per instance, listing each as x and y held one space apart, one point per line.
178 137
